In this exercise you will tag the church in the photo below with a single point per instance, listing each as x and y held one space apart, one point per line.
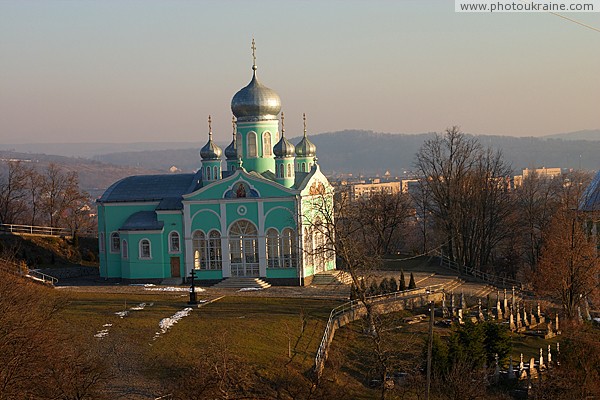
265 211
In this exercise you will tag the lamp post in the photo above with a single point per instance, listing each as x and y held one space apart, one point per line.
193 289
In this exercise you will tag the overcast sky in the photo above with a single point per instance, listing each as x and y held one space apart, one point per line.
125 71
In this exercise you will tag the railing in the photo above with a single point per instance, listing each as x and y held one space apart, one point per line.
484 276
357 304
42 230
22 270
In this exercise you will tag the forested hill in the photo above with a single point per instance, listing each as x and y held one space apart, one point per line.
94 176
366 152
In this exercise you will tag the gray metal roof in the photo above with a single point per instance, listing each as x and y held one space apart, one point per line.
590 201
149 188
142 221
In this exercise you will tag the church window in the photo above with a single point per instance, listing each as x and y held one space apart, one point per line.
289 248
289 170
243 248
238 144
215 174
115 243
251 144
208 173
145 250
267 148
273 250
214 250
124 250
101 243
199 248
303 167
173 242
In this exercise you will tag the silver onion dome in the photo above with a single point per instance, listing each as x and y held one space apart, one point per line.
255 102
210 151
284 148
305 148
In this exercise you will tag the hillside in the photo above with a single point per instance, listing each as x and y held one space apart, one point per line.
94 176
369 153
588 134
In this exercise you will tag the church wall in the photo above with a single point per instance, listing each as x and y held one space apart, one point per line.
280 215
205 217
111 218
154 267
173 222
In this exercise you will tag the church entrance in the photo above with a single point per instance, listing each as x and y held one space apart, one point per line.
243 248
175 267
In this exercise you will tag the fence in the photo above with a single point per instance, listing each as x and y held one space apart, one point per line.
357 307
495 280
42 230
22 270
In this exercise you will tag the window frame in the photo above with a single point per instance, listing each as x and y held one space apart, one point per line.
267 144
115 238
251 145
141 255
172 249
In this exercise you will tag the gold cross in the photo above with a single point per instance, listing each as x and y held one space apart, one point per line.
209 126
253 52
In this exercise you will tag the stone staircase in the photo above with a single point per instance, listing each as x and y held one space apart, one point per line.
172 281
242 283
332 277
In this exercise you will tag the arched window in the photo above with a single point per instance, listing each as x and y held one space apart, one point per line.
243 248
303 167
215 174
145 250
115 242
199 249
280 171
273 251
267 148
208 173
124 250
289 170
174 242
289 248
238 144
214 250
101 243
251 144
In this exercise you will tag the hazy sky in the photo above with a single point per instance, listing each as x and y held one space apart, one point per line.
123 71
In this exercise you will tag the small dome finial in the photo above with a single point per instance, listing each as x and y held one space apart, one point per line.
209 127
253 55
282 125
304 119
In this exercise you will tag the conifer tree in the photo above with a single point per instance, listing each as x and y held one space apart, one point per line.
402 283
411 283
393 285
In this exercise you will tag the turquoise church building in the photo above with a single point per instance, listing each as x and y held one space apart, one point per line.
257 213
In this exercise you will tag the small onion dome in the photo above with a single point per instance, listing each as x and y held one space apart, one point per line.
305 148
210 151
230 151
284 148
255 101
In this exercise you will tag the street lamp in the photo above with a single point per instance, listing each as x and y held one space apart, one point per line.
193 289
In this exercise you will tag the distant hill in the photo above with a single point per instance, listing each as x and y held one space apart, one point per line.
370 153
88 150
94 176
589 134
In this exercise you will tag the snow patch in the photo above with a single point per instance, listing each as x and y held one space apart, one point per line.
138 307
122 314
101 334
166 323
249 289
173 289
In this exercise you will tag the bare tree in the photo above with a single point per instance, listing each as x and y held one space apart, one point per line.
467 195
13 203
569 267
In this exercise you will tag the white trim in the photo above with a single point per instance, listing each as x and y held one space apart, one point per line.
226 262
144 232
169 212
278 207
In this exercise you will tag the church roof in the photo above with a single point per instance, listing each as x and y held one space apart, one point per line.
142 221
149 188
590 201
